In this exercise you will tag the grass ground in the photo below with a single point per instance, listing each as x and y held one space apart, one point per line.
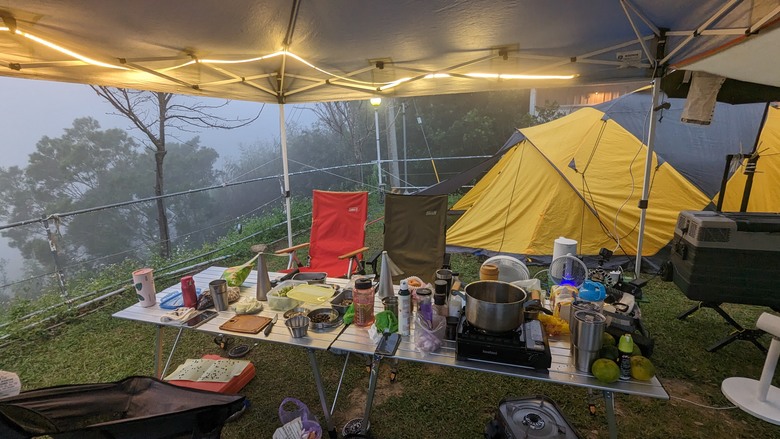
426 401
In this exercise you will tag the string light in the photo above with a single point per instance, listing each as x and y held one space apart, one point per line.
381 86
513 76
65 51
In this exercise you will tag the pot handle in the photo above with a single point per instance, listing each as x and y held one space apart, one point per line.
460 293
536 305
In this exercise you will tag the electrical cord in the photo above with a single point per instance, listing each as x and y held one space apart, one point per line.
703 405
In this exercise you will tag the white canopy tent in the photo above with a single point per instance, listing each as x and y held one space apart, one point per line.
285 51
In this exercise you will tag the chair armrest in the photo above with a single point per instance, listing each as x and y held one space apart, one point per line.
353 253
291 249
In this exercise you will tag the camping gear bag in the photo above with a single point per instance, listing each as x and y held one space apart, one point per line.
135 407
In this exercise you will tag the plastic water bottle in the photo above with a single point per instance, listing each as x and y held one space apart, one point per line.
363 300
456 302
626 347
404 309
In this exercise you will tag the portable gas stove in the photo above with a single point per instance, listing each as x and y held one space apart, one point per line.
526 346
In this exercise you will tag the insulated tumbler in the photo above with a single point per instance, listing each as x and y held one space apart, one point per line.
586 337
219 293
143 282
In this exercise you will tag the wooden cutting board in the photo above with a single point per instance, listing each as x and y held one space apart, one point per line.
247 324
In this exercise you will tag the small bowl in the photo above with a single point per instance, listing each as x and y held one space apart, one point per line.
298 326
333 318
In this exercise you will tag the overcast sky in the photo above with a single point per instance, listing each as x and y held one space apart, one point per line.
32 109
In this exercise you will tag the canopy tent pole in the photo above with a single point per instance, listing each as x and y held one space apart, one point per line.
648 170
286 170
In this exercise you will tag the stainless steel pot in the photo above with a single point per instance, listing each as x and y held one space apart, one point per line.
494 305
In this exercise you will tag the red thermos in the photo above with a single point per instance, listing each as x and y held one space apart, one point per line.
188 292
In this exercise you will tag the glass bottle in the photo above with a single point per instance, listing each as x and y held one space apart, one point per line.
404 309
424 305
363 300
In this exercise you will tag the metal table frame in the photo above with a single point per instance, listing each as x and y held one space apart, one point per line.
316 340
562 371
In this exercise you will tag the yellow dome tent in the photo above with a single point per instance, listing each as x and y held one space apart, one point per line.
581 177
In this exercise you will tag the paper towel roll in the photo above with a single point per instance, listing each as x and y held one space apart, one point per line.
564 246
143 281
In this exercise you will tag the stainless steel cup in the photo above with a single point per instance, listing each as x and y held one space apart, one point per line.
391 304
586 338
218 289
578 305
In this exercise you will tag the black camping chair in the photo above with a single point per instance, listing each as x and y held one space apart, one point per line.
136 407
415 240
415 235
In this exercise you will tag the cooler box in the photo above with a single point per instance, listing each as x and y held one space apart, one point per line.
231 387
728 257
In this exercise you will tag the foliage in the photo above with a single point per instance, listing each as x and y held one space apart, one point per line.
87 168
64 174
153 113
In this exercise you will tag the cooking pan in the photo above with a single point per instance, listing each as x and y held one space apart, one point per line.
494 306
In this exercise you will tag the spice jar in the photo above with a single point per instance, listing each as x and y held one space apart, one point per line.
424 305
488 272
363 301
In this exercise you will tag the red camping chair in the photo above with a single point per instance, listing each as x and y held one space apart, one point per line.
338 233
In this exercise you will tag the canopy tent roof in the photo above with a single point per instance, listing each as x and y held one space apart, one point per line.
304 51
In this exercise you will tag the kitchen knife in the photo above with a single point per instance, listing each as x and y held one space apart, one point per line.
268 327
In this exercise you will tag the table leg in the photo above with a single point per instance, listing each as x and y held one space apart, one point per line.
364 425
321 391
341 380
609 403
158 352
173 349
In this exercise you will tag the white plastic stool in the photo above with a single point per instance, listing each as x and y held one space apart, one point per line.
759 398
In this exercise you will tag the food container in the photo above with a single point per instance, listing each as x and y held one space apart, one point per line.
311 277
281 303
314 294
342 300
324 318
298 326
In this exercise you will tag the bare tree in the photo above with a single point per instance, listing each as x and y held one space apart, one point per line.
152 113
348 120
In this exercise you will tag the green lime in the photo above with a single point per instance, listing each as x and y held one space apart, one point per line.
606 371
607 339
609 352
641 368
